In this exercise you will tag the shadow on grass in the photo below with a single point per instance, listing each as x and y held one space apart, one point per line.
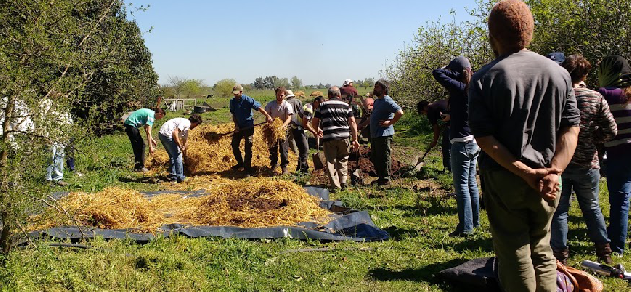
143 179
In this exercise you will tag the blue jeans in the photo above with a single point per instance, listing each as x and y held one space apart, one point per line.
464 158
176 171
619 185
584 182
55 170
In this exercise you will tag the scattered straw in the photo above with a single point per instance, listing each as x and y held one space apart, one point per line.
252 202
274 132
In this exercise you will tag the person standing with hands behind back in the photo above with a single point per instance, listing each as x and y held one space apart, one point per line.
385 113
523 114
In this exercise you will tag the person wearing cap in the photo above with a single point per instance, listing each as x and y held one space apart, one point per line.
557 57
280 109
143 117
437 113
614 78
385 113
296 136
241 107
347 89
523 114
174 135
464 151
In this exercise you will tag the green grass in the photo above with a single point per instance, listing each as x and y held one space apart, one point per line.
419 224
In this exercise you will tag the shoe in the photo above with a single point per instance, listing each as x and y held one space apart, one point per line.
343 187
144 169
284 170
237 166
561 255
384 183
603 252
458 233
180 180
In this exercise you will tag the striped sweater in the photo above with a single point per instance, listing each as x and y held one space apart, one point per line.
333 115
621 110
597 125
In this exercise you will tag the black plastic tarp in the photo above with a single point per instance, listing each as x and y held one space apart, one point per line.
347 225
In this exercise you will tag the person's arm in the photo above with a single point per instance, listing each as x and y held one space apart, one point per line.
353 126
436 129
315 123
503 157
565 147
152 143
607 127
386 123
307 125
177 140
268 118
447 79
287 121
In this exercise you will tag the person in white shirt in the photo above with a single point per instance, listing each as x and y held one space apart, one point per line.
174 135
281 109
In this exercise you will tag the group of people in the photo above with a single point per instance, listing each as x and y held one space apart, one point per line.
538 131
332 121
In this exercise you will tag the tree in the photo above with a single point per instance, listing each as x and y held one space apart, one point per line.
296 83
56 57
368 83
284 82
259 83
223 87
270 81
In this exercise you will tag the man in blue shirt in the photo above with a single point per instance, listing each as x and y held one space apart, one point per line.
241 107
385 113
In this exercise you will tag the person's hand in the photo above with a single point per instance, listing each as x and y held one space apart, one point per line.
151 149
320 133
445 117
269 119
385 123
183 148
355 145
153 142
550 187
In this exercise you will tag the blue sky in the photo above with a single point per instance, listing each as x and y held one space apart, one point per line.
318 41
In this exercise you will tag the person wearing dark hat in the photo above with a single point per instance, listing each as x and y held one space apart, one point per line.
464 151
523 114
557 57
614 78
241 107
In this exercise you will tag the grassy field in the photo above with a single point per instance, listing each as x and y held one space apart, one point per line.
418 222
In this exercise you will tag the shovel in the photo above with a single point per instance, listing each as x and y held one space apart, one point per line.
420 162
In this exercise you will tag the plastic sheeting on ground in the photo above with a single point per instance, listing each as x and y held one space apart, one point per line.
347 225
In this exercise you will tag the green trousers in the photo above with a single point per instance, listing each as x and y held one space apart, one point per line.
380 156
520 224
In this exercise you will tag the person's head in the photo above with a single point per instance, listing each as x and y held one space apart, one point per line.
462 66
280 93
237 90
422 107
159 113
382 87
317 101
557 57
578 67
368 103
614 71
347 82
195 120
289 94
334 92
511 26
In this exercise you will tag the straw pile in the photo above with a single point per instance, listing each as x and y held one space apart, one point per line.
210 151
253 202
157 160
274 132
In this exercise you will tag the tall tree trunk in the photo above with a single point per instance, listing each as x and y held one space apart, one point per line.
5 233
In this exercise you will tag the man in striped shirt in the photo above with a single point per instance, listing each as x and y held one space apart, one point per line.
332 122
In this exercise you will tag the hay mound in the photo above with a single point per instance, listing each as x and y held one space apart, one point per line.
210 151
253 202
157 160
274 132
